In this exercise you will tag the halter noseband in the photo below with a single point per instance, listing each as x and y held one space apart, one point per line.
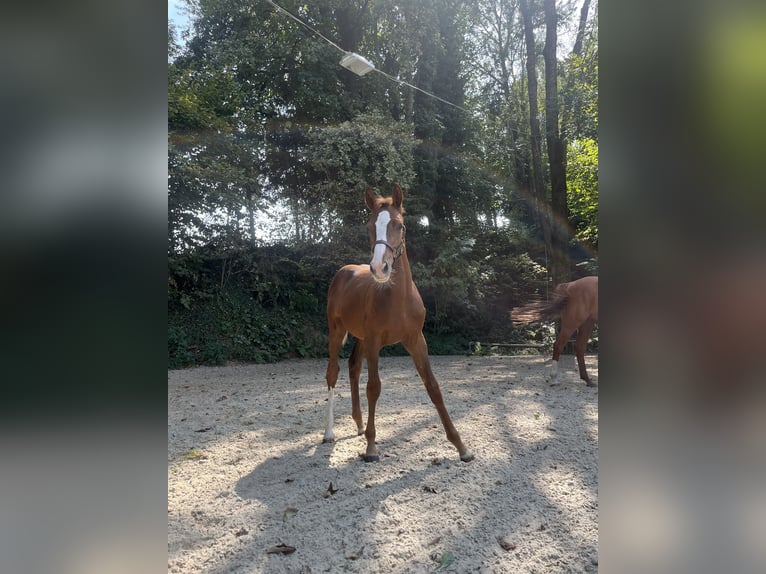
397 251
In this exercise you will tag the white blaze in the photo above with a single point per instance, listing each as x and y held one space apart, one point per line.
381 225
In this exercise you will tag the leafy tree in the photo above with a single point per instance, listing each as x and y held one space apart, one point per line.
271 142
580 91
582 165
323 171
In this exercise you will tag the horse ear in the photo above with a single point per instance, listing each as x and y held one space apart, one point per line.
369 198
398 196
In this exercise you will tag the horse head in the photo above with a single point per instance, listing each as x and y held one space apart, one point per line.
386 232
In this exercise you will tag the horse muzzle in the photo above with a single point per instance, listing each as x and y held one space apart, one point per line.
381 266
381 271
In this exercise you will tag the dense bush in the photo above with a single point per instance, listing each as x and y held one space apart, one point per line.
252 305
266 304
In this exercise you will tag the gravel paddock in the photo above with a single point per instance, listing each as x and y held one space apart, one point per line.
247 471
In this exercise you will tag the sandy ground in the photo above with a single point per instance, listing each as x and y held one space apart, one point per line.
247 470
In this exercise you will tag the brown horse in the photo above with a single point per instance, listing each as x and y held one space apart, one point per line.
380 305
577 305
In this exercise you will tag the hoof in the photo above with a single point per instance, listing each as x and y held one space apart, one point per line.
359 432
591 384
467 456
327 439
370 458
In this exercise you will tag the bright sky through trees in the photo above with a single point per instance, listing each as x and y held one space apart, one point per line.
177 13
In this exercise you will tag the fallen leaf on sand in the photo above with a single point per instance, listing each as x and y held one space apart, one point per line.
447 559
194 454
289 511
280 549
506 544
330 491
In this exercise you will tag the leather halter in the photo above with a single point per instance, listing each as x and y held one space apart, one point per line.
397 251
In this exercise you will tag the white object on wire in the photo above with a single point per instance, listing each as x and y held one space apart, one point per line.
357 64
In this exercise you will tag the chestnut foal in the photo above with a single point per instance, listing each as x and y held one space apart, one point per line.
576 303
380 305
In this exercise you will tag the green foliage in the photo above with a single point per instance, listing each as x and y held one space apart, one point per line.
271 143
372 148
324 170
447 283
233 328
582 176
582 92
260 306
269 303
470 286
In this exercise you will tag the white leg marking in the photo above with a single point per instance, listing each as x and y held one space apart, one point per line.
555 373
328 434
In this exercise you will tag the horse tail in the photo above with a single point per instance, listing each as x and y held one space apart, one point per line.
539 311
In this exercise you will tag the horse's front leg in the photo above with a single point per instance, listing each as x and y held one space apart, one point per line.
337 338
583 334
373 392
418 350
354 370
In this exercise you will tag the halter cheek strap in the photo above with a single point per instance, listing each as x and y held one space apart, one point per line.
396 251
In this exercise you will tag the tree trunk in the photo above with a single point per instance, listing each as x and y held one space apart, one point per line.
556 151
251 217
296 220
577 49
538 187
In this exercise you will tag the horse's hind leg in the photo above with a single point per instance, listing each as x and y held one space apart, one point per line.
564 334
583 335
354 370
418 350
337 338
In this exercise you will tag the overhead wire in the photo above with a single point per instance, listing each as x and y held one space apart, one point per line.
374 69
302 23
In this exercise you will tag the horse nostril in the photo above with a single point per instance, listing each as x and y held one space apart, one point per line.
371 269
385 267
